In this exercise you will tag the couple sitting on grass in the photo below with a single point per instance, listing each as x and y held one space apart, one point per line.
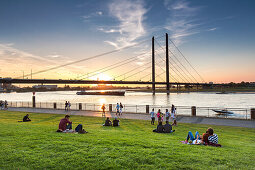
108 122
167 128
65 125
208 138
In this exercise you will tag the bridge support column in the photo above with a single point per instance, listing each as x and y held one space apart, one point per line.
147 109
153 67
193 111
252 113
33 101
167 67
80 106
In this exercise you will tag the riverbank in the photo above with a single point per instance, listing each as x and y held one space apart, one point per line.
180 119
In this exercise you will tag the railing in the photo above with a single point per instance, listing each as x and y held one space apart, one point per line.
239 113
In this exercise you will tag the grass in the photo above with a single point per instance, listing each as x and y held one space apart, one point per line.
36 145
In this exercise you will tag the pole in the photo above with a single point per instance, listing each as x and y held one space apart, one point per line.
167 66
153 67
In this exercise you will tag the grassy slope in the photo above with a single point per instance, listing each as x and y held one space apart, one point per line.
36 145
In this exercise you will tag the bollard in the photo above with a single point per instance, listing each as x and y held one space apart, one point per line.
55 105
252 113
147 109
33 101
193 111
80 106
110 107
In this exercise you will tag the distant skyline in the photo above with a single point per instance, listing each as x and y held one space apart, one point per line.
217 37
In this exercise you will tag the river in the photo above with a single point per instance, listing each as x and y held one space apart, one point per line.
199 99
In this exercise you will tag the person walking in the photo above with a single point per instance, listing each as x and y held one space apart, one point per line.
66 104
117 109
152 113
69 106
173 115
121 107
103 108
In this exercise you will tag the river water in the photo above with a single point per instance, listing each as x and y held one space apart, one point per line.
199 99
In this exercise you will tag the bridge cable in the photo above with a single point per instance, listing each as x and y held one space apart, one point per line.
186 59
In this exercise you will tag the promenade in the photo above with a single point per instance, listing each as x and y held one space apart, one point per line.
180 119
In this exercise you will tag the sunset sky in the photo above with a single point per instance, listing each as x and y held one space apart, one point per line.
216 36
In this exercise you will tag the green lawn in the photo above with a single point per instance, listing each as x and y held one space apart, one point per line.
36 145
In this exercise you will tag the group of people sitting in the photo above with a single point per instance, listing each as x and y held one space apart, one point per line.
108 122
167 128
208 138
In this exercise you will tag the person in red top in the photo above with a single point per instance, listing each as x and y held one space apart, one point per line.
63 124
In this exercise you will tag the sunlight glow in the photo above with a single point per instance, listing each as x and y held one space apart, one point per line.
101 76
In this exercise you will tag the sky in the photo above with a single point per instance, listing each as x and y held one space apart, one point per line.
216 37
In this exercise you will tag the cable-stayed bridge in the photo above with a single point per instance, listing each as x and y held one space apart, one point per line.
164 65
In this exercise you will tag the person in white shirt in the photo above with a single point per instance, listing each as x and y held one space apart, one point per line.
167 115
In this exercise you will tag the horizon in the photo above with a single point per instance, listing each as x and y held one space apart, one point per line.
39 35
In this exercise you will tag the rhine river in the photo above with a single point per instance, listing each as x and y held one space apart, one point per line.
199 99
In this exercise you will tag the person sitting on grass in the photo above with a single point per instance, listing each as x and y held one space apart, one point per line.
115 122
168 128
160 128
64 124
108 122
212 138
26 118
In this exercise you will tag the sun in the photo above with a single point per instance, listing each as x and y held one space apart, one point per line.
101 76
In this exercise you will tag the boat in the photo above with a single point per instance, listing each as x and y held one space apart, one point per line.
223 92
111 93
223 112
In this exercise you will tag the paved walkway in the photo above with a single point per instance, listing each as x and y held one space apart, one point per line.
180 119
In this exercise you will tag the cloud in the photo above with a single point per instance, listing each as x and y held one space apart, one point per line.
212 29
130 17
181 23
94 14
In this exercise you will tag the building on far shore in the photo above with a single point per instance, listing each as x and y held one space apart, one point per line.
45 86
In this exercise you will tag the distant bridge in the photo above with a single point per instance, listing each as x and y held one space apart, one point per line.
60 81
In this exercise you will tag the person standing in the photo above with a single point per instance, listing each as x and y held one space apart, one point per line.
69 105
121 107
159 115
66 104
103 108
152 116
173 115
117 109
167 115
5 105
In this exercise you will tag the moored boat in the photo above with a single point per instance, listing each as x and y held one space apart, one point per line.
223 112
